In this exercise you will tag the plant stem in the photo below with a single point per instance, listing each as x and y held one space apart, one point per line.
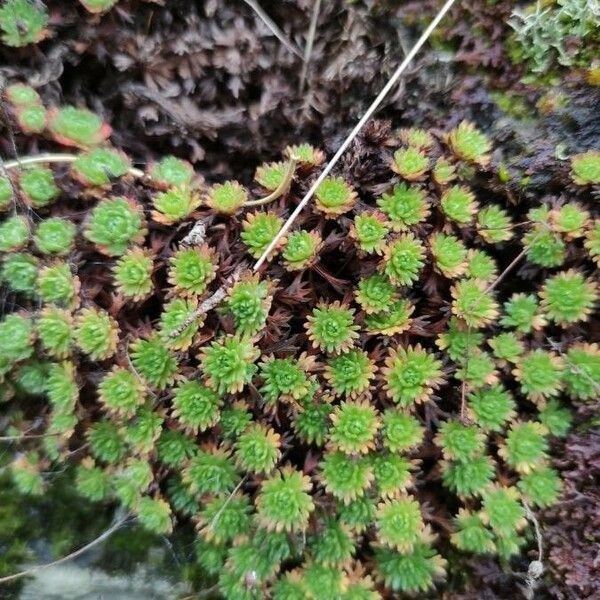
281 189
71 556
310 40
506 271
264 17
139 174
55 158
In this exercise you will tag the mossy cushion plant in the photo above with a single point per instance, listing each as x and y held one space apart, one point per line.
412 374
6 193
57 285
582 371
271 175
568 297
155 364
285 379
114 224
539 374
14 233
331 328
228 363
370 230
443 172
544 247
458 204
96 333
19 273
177 325
350 374
55 236
21 94
98 6
191 270
283 502
121 391
227 198
585 167
355 425
469 144
450 255
259 229
132 273
78 127
334 197
99 166
291 412
405 206
346 477
23 22
301 250
493 224
196 406
411 163
38 187
473 303
32 118
403 260
257 449
375 293
249 302
174 205
55 329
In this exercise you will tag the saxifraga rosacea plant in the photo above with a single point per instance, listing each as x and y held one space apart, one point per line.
286 413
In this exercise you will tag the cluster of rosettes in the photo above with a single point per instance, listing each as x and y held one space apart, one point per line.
289 423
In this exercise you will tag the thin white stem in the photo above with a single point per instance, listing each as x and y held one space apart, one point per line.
54 158
281 189
216 518
139 174
363 121
264 17
310 40
71 556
